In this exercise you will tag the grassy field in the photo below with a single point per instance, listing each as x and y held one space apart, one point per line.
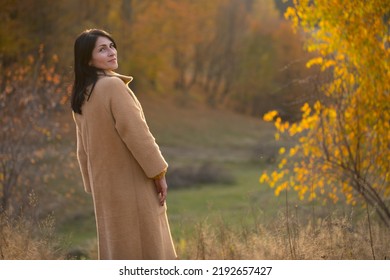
241 147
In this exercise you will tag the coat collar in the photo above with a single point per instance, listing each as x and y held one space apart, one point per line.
124 78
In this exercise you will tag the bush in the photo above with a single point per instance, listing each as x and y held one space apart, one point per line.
206 173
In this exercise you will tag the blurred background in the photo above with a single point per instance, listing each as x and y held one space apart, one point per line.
205 72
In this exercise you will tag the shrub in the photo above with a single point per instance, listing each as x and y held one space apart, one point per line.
206 173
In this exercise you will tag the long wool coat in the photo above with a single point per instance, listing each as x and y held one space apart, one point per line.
118 158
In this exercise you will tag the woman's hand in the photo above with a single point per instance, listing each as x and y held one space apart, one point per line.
162 189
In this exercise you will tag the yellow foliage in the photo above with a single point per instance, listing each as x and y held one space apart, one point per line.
306 109
281 188
293 151
314 61
317 106
268 117
282 163
349 132
264 178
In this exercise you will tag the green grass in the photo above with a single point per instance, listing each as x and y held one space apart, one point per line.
240 203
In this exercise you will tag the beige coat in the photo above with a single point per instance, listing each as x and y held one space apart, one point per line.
118 156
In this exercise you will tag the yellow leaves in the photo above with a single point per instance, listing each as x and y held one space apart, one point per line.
282 163
281 188
264 178
349 198
329 63
268 117
294 129
306 110
341 71
281 126
347 133
348 114
314 61
293 151
292 15
317 106
276 176
308 122
332 113
351 79
302 190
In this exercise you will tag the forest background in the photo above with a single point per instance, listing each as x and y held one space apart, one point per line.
206 73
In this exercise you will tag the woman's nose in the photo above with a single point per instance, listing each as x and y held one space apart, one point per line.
111 52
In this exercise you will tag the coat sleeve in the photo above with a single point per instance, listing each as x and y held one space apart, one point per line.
132 127
82 159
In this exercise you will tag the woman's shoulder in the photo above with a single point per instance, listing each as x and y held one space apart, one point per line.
111 86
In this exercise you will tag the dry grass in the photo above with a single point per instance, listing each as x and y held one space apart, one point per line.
332 238
26 239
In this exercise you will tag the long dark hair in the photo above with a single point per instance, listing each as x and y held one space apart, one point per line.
84 74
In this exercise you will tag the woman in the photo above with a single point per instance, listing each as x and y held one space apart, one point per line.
120 162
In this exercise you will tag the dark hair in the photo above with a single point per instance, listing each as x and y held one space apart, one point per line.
85 74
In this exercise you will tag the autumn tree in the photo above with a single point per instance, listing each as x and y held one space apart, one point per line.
30 97
344 138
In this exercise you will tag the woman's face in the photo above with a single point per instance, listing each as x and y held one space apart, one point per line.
104 55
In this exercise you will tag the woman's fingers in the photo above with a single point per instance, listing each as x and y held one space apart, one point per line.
162 189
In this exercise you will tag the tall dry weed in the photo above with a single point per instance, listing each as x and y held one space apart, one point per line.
333 238
23 238
29 237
